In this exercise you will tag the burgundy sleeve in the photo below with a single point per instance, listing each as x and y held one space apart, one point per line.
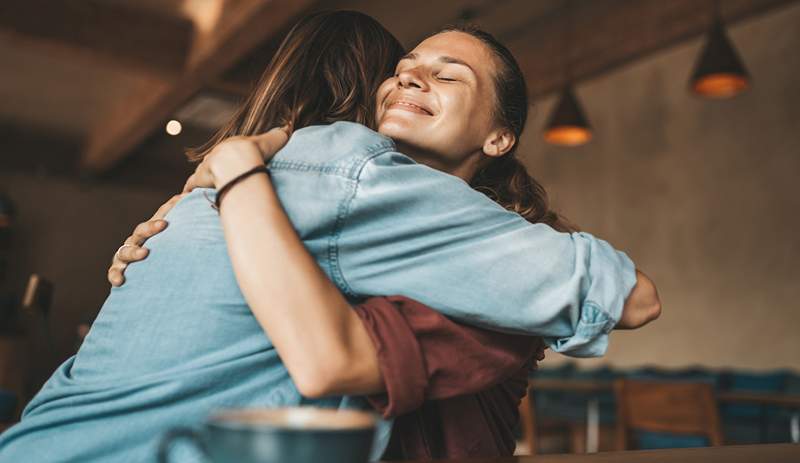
423 355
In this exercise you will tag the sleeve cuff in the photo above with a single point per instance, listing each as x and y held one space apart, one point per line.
613 277
399 357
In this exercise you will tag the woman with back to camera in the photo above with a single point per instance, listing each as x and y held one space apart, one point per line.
178 340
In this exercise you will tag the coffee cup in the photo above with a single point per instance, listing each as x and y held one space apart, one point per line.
297 435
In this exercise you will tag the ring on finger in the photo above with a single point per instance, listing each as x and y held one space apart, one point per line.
116 254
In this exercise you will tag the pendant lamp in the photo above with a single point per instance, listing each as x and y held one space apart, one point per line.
568 125
719 72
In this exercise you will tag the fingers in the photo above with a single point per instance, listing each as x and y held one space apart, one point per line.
131 253
190 184
145 230
116 276
132 250
272 141
201 177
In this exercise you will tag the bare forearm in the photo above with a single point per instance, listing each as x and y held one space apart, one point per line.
643 304
319 337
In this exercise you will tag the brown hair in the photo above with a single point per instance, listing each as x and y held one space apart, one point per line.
327 69
505 179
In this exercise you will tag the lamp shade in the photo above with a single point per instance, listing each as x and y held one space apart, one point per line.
719 72
568 125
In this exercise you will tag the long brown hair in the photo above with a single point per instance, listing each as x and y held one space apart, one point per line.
327 69
505 179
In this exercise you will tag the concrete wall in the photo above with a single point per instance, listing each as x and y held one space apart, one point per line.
702 194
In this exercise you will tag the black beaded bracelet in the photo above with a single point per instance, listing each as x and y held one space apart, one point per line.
237 179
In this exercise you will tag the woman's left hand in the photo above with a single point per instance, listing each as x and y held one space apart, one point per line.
234 156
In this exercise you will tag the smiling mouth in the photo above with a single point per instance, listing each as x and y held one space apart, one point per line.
411 107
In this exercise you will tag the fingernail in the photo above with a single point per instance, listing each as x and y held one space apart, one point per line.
161 224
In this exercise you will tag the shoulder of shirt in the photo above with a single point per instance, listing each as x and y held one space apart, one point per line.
341 148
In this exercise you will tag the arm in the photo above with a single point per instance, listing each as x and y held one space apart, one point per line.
425 234
320 339
642 306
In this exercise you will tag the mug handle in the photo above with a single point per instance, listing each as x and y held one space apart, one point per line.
175 434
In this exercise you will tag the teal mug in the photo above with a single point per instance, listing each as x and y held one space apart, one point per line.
284 435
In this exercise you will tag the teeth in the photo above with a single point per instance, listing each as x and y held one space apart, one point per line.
411 105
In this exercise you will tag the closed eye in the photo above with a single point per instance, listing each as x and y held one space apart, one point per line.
446 79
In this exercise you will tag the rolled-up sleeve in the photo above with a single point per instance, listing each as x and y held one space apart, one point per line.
412 230
425 356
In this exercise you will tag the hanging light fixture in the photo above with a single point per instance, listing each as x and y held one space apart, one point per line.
719 72
568 125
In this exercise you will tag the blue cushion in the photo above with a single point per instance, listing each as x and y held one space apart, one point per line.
659 440
751 382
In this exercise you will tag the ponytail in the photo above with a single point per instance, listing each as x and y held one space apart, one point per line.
507 182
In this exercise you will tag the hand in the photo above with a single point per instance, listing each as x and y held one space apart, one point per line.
132 250
234 156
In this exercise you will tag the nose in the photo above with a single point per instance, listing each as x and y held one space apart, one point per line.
410 79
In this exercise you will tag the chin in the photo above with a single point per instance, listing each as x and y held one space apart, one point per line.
394 128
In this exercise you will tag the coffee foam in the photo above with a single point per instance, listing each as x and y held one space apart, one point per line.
296 418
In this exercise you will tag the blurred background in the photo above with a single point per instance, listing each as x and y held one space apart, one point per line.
668 127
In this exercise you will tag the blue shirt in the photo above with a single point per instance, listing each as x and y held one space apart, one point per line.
178 340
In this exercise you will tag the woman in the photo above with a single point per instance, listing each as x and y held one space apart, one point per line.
178 339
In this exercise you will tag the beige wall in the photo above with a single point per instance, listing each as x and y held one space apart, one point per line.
703 195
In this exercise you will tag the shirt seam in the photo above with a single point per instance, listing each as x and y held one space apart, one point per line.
350 169
343 213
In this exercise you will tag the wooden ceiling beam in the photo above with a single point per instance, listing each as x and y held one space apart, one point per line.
111 31
248 23
609 33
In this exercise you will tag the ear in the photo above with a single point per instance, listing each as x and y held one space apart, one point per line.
499 142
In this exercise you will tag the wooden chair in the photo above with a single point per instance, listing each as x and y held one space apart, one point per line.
527 418
669 407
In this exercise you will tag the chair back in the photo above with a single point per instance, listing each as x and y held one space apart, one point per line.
680 408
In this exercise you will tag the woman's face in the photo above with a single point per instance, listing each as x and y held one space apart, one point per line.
439 105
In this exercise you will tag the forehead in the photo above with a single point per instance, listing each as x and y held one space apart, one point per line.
458 45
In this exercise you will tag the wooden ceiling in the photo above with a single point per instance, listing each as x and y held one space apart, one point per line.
102 77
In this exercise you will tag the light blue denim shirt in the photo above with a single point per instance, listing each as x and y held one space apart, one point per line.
178 340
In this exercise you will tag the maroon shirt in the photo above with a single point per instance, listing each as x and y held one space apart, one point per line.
454 390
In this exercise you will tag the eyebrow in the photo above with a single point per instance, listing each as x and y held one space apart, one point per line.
442 59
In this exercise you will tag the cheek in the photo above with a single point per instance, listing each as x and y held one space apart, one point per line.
461 117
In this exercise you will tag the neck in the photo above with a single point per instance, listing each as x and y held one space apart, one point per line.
465 170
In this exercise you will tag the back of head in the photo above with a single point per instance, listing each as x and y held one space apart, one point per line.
327 69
